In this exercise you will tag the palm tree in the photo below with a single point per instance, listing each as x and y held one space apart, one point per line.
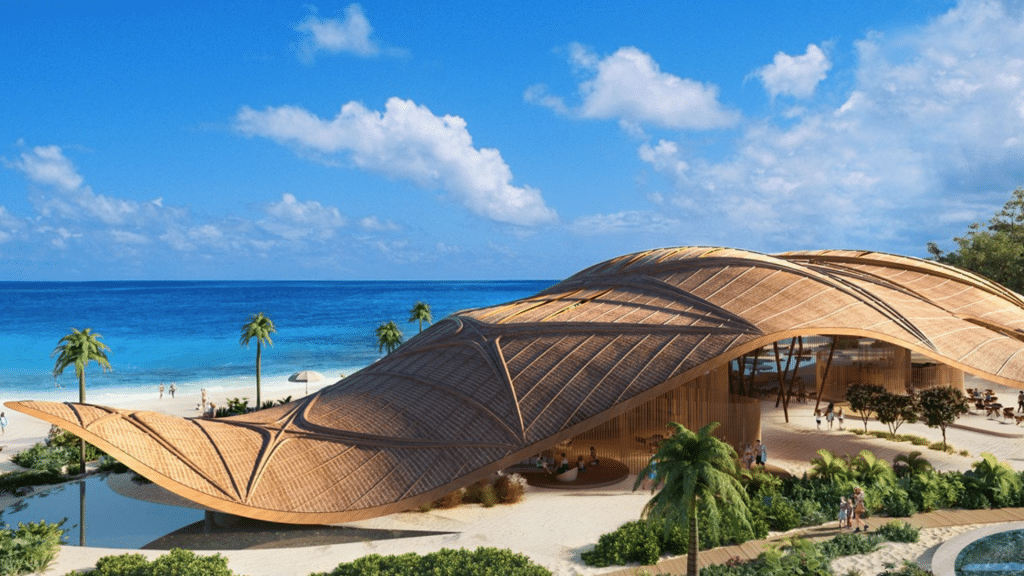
698 470
389 337
420 312
259 327
79 348
829 467
910 464
872 470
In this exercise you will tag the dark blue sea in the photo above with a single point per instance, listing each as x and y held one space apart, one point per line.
188 332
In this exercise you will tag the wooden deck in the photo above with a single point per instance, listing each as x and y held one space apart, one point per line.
752 549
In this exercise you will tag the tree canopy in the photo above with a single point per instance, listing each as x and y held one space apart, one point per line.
941 406
994 250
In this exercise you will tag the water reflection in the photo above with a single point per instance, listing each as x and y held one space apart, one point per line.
116 521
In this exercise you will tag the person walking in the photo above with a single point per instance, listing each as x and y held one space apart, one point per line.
1020 401
858 509
762 453
839 416
172 389
844 513
817 418
3 422
161 390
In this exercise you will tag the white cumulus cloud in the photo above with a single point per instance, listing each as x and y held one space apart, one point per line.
48 165
350 34
631 87
292 219
408 141
796 76
935 113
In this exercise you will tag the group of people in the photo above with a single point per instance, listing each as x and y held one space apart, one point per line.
563 466
756 454
851 510
171 390
831 414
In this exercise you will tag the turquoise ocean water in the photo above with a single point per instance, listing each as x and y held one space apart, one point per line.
188 332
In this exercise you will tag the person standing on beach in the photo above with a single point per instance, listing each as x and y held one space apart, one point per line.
1020 401
161 390
172 389
203 399
839 415
3 422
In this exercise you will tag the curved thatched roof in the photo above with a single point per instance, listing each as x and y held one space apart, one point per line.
487 387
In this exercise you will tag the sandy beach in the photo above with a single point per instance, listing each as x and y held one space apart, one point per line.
551 526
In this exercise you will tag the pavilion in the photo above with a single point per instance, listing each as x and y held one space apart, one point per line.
604 358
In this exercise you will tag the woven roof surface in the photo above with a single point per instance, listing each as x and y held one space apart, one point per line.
488 387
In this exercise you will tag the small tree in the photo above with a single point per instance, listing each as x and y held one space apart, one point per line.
895 409
864 399
420 312
389 337
941 406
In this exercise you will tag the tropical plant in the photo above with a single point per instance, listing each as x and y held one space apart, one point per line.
695 469
871 470
996 480
864 399
895 409
79 348
910 464
420 313
260 327
829 467
29 548
389 337
479 562
941 406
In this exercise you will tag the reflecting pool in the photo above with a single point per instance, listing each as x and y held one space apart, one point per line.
1000 554
110 520
98 516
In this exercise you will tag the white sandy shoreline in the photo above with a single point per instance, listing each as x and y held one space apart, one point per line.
553 527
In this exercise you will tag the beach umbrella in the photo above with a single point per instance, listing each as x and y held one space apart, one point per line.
306 376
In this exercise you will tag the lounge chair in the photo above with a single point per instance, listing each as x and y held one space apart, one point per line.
569 475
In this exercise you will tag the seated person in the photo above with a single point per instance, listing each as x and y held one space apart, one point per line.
593 457
580 464
564 466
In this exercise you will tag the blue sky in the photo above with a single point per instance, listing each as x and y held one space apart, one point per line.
490 140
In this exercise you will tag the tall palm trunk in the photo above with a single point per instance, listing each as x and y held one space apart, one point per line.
258 351
81 441
691 554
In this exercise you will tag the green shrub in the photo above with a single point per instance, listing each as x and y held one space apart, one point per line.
782 515
638 541
42 457
898 504
479 562
899 531
176 562
488 497
938 446
29 547
849 544
13 482
908 569
920 441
